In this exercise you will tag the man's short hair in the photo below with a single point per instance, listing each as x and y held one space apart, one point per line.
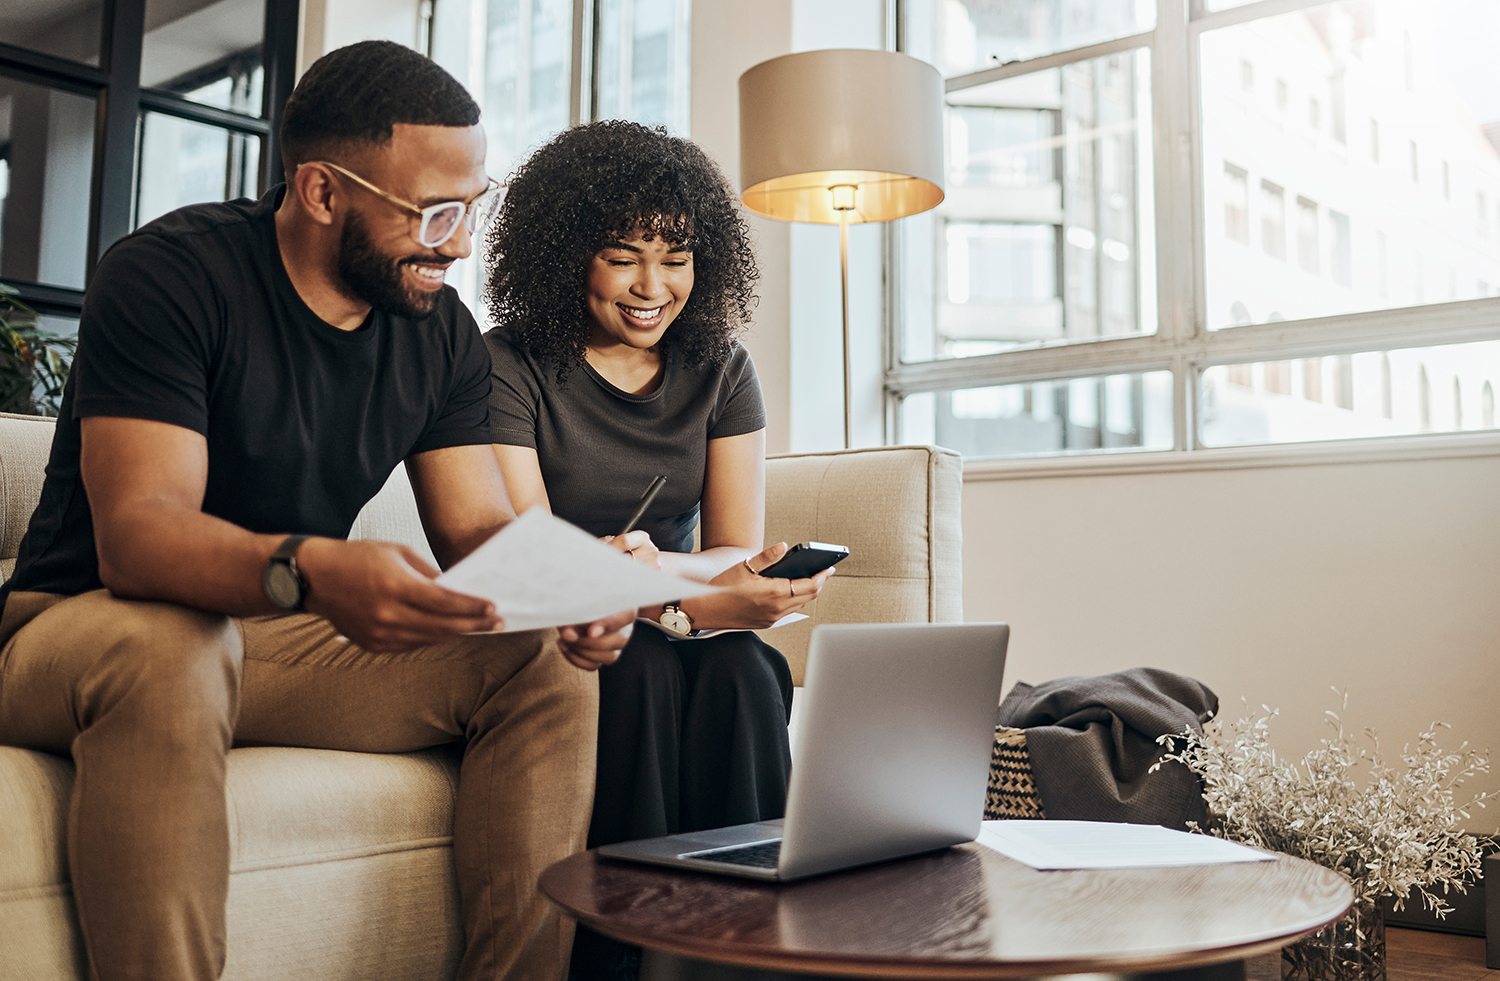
356 94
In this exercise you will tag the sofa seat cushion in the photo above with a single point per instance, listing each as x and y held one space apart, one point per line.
317 836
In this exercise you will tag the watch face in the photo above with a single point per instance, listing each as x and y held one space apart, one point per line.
282 586
676 622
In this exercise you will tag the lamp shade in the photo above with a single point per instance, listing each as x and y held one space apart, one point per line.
817 120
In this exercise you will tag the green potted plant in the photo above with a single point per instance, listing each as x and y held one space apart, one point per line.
34 362
1390 829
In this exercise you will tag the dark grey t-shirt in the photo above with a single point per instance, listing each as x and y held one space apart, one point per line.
599 447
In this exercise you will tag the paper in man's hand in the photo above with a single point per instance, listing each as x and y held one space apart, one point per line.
540 571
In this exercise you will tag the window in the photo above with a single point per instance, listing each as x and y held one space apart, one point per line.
1236 204
1074 284
1341 249
1307 236
1272 220
95 141
533 75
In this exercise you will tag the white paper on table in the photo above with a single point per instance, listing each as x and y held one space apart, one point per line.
701 634
1052 845
540 571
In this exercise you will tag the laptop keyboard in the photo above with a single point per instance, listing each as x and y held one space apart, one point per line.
760 855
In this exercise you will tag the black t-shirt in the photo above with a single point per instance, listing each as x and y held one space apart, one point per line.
193 321
599 447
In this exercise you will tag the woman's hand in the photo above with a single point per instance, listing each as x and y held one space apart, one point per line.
637 545
751 601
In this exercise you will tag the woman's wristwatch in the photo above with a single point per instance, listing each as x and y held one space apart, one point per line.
675 620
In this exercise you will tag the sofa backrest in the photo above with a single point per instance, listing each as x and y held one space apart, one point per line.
897 508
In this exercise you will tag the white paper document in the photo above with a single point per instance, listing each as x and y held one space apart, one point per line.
540 571
1049 845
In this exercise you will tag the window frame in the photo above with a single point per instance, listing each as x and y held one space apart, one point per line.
116 84
1182 342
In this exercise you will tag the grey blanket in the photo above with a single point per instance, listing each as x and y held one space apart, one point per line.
1092 742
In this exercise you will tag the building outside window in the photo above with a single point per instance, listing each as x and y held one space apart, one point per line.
1069 117
1236 204
538 66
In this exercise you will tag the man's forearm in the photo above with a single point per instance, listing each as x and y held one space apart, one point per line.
166 552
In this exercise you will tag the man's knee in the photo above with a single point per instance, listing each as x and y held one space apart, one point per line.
172 661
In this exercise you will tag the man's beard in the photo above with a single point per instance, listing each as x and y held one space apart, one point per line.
377 278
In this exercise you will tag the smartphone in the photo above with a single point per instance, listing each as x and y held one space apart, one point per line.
807 559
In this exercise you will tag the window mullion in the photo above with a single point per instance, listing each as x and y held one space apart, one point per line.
115 136
1119 356
1172 111
1438 324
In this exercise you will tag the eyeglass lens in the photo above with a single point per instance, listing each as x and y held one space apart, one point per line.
441 221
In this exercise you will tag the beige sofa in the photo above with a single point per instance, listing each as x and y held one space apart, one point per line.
342 862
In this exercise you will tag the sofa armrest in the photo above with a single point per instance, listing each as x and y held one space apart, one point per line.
897 508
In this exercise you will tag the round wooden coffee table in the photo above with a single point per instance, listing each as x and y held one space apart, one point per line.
964 913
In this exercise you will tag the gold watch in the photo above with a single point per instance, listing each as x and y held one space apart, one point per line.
676 621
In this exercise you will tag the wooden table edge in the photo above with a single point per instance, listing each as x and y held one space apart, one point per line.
848 966
966 969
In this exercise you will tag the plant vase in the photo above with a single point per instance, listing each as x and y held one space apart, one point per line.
1350 949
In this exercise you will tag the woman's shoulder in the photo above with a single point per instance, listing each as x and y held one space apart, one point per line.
507 357
737 364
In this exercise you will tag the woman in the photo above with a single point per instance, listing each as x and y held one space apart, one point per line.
621 273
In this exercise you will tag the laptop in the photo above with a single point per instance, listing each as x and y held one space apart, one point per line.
892 756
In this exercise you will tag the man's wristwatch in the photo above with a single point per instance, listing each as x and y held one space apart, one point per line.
676 621
282 582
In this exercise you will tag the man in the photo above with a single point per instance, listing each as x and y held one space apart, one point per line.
247 376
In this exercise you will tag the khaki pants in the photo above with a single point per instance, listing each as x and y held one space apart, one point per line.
148 697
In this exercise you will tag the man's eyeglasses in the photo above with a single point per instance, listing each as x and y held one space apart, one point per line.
439 221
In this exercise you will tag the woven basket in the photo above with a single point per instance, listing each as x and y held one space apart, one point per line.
1012 792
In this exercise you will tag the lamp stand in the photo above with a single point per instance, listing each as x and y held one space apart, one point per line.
844 283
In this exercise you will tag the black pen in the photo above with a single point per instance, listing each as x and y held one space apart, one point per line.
646 499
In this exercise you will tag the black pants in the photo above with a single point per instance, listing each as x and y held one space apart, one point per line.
692 735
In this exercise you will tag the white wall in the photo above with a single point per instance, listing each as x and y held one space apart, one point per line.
729 36
329 24
1271 584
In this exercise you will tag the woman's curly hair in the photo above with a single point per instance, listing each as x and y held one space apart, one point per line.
601 183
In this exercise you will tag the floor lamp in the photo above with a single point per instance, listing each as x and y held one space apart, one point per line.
840 137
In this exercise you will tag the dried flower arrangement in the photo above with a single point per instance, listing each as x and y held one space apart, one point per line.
1389 834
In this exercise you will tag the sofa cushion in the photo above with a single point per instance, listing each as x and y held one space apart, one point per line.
337 860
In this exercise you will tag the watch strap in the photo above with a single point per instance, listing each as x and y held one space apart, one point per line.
287 550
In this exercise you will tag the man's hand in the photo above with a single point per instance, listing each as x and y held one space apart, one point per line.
591 646
382 595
